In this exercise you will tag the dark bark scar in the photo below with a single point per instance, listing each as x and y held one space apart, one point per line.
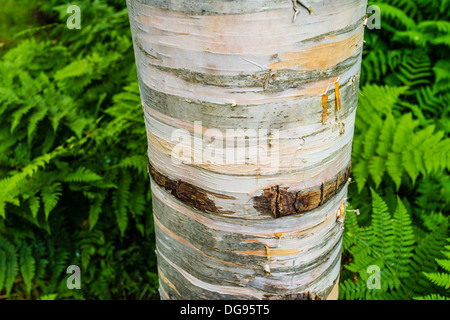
189 194
280 202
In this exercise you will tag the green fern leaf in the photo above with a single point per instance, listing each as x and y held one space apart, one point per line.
120 201
34 205
50 197
82 175
433 296
440 279
94 211
376 169
382 225
445 264
404 241
12 268
394 168
27 267
392 13
386 136
51 296
361 172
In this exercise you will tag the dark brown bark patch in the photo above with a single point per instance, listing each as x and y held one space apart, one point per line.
267 202
307 201
280 202
187 193
328 190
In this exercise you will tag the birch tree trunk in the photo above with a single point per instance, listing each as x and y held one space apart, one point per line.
249 107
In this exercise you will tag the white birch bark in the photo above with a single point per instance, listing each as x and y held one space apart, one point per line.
252 229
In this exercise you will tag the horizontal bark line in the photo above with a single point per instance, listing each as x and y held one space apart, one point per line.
277 201
192 281
285 144
280 202
280 114
244 182
214 7
222 45
190 287
270 81
235 268
236 292
338 41
220 7
188 193
283 81
187 243
251 278
351 27
294 228
172 85
220 252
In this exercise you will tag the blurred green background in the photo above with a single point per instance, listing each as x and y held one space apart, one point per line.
73 179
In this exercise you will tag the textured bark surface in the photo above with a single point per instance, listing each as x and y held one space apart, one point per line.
249 230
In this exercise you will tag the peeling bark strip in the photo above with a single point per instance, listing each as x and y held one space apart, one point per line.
188 194
280 202
261 65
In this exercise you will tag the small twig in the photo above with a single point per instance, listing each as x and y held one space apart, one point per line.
294 6
296 11
306 6
355 211
256 64
267 70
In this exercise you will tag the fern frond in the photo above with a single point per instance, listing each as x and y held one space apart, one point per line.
82 175
433 296
381 225
50 196
424 260
393 148
136 162
27 267
444 264
35 205
94 210
396 16
12 266
403 242
350 290
389 243
120 199
439 279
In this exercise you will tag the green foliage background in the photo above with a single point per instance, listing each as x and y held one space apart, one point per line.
73 181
